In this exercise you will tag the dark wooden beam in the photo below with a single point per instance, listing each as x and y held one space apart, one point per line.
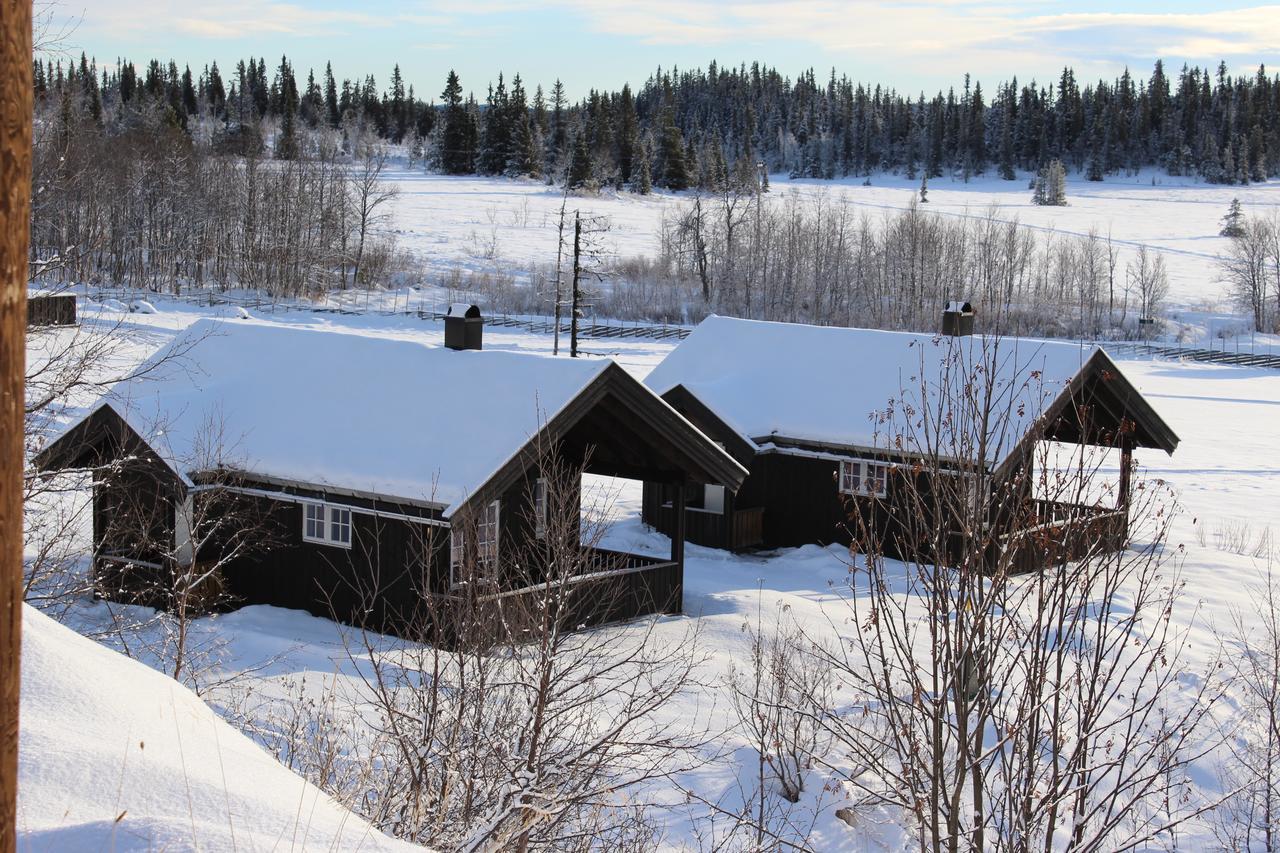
15 220
677 546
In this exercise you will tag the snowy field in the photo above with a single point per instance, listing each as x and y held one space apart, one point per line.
496 224
1226 471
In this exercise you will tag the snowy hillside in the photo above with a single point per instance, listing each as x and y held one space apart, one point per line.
116 756
498 224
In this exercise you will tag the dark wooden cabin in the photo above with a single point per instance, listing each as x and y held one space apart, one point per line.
806 410
348 475
51 309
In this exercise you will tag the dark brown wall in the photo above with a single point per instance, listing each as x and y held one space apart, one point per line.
133 506
379 582
801 500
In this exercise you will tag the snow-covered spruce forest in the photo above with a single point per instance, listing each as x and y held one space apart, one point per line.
167 181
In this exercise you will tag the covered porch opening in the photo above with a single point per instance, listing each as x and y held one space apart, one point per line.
627 435
1080 467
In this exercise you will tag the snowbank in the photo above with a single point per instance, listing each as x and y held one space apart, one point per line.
116 756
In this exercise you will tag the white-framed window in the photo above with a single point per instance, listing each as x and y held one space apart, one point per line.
864 477
540 508
326 524
486 544
487 535
713 499
340 525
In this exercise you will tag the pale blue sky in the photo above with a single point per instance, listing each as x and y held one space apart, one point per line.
604 43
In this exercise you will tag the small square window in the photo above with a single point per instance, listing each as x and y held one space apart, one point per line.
486 545
877 479
540 508
863 477
850 476
339 525
326 525
313 522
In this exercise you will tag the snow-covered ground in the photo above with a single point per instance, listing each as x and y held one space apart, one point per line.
117 756
497 224
104 736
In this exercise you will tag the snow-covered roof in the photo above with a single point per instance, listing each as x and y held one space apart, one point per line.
777 381
391 417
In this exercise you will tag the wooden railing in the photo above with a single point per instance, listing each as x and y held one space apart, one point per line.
1061 532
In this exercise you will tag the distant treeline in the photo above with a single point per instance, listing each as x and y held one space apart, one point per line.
686 128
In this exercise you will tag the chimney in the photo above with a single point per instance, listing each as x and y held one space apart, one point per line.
957 319
463 327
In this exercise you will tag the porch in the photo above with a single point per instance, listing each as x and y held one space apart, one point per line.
720 525
1063 533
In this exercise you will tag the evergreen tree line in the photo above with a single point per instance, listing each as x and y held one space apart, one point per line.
681 128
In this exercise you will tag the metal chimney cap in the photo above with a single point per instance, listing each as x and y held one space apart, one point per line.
464 309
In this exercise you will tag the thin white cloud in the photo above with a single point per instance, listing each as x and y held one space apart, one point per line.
221 19
917 39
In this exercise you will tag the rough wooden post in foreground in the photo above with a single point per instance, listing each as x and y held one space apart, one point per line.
15 211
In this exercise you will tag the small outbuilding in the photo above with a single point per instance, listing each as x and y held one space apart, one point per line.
371 469
51 309
815 414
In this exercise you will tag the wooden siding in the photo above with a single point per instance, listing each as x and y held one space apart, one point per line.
734 529
56 309
133 513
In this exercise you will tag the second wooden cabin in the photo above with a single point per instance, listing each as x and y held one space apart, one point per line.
829 421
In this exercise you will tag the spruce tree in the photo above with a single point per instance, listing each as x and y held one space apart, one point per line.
287 138
398 121
1007 172
495 139
558 141
580 163
522 160
1233 222
626 138
1051 185
675 174
644 180
454 143
1096 157
331 97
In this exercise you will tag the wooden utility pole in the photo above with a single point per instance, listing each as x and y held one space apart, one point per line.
577 292
15 223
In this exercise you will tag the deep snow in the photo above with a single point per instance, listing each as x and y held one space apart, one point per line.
116 756
1226 470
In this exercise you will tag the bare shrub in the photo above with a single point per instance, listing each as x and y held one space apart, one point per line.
1250 816
997 708
1234 536
498 726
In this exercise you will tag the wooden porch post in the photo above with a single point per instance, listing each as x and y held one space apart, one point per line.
1126 474
677 547
1126 471
15 230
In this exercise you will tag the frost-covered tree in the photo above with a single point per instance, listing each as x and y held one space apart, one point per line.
1050 186
1233 221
